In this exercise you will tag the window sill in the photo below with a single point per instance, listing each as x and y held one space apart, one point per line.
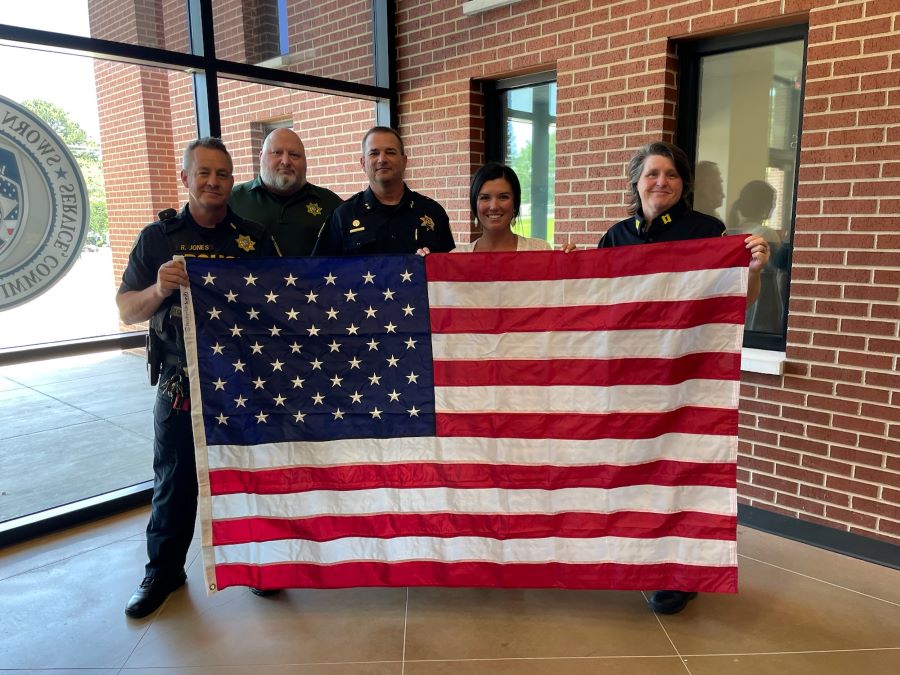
762 361
478 6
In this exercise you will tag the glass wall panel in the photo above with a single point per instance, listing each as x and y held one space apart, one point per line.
529 147
115 120
748 126
327 39
73 428
331 128
149 23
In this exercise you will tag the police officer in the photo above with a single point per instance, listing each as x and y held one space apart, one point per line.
149 291
292 209
387 217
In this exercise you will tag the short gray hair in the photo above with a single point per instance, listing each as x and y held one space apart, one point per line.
210 142
663 149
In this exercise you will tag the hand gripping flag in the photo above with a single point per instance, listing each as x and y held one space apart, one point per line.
532 419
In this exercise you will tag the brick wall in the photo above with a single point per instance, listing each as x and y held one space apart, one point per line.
822 442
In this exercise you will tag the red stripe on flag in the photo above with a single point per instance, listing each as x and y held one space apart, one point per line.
477 574
632 524
623 316
677 256
587 372
583 427
294 479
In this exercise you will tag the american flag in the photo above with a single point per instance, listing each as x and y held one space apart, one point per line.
536 419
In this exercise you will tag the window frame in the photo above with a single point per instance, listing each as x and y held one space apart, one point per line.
690 53
494 110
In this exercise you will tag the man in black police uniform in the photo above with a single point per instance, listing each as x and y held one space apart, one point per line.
280 198
149 291
387 217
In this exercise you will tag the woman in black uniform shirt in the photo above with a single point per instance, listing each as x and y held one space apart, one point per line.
660 190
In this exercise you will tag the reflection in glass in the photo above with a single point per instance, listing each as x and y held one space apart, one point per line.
746 150
301 36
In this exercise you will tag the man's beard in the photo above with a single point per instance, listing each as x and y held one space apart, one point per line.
280 182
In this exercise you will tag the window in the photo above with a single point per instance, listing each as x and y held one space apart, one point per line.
741 100
75 407
521 132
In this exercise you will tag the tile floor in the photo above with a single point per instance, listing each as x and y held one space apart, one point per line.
801 611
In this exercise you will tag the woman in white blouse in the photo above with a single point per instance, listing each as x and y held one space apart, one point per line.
495 198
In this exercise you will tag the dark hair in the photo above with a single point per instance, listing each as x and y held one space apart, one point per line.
493 171
382 130
209 142
756 202
663 149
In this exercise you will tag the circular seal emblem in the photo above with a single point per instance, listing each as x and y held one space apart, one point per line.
44 208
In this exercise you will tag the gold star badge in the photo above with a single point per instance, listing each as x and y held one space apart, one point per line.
427 223
245 243
314 209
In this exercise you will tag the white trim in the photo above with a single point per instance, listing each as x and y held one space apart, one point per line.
473 7
762 361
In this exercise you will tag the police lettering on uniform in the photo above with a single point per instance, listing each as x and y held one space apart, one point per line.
280 198
206 227
387 217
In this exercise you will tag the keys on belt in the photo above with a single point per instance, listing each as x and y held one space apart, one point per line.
174 387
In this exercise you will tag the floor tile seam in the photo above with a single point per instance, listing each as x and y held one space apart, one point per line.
669 638
798 652
499 659
823 581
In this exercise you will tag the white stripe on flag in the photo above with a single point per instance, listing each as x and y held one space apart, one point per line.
558 399
522 451
650 498
577 292
588 345
464 549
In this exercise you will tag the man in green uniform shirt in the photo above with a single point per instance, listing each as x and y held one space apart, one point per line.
292 210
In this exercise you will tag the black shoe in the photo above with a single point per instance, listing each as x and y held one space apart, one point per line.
151 594
263 592
669 602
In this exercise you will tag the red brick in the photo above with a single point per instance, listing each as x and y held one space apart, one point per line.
755 492
800 504
827 465
878 508
852 486
823 495
779 484
847 516
831 435
875 328
855 455
858 424
862 393
800 475
882 412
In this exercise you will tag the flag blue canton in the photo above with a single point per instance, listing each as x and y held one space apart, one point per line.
310 349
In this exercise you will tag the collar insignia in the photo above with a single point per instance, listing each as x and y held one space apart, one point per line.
245 243
666 219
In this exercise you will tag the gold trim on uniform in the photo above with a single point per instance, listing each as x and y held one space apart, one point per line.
314 209
427 223
245 243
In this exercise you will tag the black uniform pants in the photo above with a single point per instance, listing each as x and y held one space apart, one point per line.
174 506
